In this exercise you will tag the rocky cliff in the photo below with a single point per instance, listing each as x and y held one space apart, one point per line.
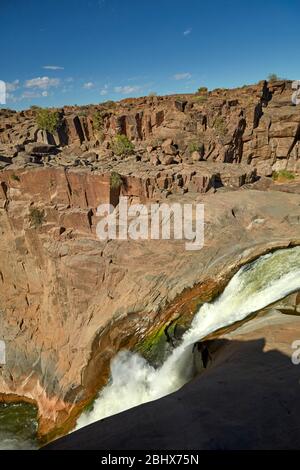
257 128
68 301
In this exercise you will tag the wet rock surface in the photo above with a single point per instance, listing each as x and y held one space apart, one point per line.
246 399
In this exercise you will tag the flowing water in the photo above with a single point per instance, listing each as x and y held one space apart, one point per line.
134 381
18 426
256 285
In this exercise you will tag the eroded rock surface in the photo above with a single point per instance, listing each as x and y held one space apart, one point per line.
254 126
68 301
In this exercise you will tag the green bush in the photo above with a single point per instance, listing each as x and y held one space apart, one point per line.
47 119
283 175
122 146
115 180
220 126
272 77
195 146
34 108
201 98
98 123
36 217
98 120
108 104
82 113
202 90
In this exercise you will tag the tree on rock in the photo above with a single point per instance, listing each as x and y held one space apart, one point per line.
122 146
47 120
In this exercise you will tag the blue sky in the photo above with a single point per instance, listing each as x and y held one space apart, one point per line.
57 52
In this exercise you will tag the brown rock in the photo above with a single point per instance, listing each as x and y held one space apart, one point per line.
40 149
196 157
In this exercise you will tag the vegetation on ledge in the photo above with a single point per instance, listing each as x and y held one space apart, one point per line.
283 175
47 119
122 146
36 217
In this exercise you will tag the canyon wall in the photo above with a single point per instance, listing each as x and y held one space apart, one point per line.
254 125
68 301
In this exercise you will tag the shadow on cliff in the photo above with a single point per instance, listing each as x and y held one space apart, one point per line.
247 399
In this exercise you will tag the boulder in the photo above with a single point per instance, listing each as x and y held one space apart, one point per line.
196 157
40 149
167 159
90 156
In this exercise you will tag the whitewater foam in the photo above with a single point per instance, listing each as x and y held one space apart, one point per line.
256 285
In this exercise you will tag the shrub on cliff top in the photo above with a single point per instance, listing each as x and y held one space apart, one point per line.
115 180
201 98
122 146
202 90
109 104
47 119
272 77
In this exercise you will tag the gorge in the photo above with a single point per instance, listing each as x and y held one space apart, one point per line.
134 381
70 302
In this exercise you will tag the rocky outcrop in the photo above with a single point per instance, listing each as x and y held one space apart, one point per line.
255 125
70 301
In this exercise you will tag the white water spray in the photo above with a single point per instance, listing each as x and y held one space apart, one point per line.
255 286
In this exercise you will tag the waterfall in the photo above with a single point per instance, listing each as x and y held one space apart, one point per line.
256 285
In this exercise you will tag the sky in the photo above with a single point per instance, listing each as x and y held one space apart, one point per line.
57 52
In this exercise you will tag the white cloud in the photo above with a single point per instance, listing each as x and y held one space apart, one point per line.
182 76
52 67
42 83
126 90
12 86
28 95
88 85
187 32
69 80
104 90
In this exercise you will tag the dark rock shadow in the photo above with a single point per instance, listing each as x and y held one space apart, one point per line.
247 399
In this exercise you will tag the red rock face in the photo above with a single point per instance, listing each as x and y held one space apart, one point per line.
256 125
68 301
